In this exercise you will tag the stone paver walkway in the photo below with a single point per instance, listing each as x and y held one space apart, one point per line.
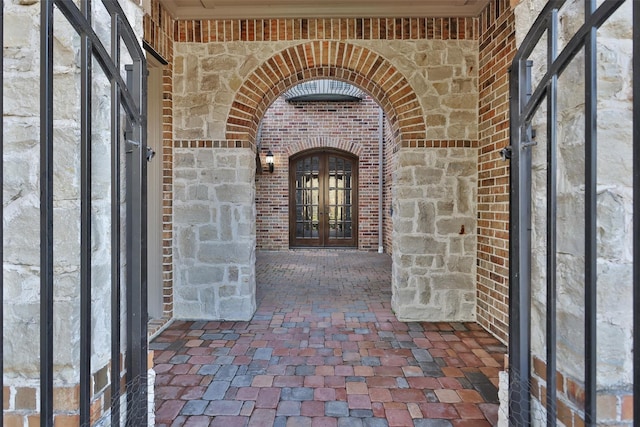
324 349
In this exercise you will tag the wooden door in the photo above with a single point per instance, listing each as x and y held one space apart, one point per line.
323 199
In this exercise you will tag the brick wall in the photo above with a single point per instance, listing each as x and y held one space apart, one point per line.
497 46
288 128
614 406
259 30
158 34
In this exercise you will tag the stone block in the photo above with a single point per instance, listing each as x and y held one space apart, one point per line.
454 226
204 159
406 208
16 34
185 175
614 241
466 168
208 232
184 160
186 242
445 207
405 296
186 309
21 231
404 176
227 291
425 176
218 176
224 253
425 221
411 158
227 224
226 159
436 119
198 192
460 102
409 193
205 275
210 82
233 193
237 308
192 214
439 73
424 294
453 281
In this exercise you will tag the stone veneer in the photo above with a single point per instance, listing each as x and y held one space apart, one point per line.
214 222
21 219
614 380
427 89
434 239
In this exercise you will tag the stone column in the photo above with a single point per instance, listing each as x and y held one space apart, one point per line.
434 240
214 222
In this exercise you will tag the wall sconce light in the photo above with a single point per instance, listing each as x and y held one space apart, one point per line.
269 160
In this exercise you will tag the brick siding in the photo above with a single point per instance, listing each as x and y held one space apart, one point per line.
497 48
289 128
250 30
615 407
158 34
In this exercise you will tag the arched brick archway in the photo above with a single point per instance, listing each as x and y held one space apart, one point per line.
324 142
326 59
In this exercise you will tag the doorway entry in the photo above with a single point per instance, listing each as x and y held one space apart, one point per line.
323 199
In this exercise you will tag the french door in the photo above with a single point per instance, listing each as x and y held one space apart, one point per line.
323 200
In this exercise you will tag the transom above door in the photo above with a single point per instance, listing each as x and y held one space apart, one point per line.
323 199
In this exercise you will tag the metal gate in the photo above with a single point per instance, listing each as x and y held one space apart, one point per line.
532 96
122 110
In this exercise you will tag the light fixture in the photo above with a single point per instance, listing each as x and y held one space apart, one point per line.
323 90
269 160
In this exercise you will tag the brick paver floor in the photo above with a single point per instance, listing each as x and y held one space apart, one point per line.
324 349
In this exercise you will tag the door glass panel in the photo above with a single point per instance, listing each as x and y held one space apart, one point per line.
307 197
339 201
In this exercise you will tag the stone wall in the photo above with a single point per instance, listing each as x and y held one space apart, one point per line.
434 240
614 218
443 75
214 223
496 51
21 218
424 75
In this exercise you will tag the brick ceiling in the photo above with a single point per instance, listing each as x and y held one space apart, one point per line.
246 9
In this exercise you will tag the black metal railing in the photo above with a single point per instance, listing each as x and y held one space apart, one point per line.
526 101
127 125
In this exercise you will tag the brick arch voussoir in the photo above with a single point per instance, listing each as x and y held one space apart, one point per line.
324 142
326 59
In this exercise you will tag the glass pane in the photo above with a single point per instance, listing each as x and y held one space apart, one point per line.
339 198
307 197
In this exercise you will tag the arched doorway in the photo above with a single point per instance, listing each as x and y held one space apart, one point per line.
323 199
